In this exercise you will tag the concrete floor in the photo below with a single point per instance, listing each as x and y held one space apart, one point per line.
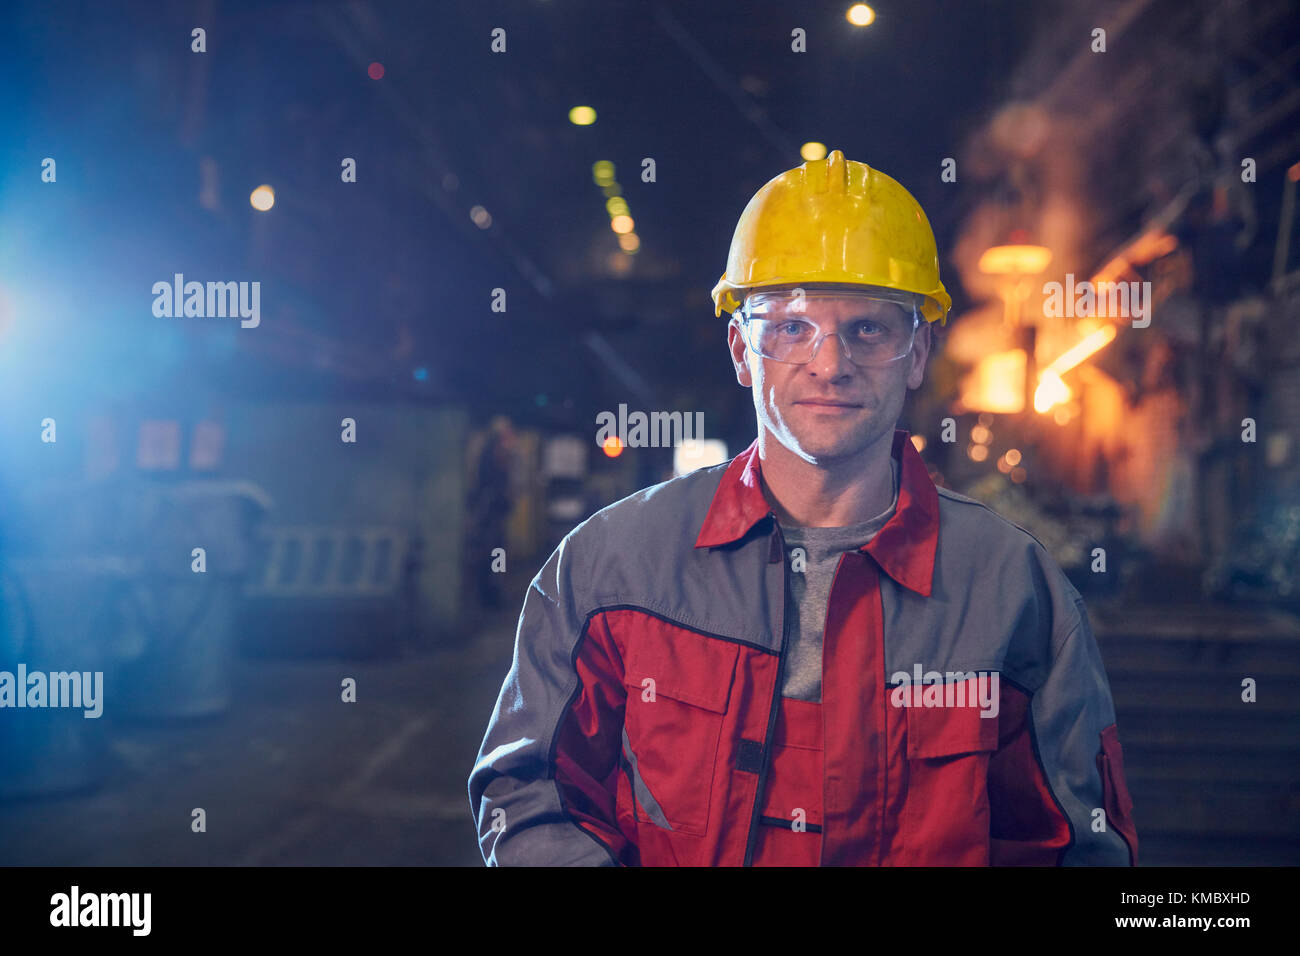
291 775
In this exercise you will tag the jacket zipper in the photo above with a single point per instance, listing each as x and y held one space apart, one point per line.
750 841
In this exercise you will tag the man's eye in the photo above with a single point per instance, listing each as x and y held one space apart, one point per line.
792 328
868 330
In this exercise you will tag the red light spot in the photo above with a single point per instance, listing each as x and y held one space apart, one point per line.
376 70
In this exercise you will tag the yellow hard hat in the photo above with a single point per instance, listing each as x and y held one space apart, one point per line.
834 221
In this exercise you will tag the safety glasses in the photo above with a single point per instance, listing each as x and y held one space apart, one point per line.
789 325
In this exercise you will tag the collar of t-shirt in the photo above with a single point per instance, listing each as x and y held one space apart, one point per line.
816 541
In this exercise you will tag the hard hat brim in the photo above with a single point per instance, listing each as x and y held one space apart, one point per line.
934 304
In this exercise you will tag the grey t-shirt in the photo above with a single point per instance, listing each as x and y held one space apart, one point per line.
810 590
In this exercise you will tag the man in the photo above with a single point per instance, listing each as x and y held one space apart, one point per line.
808 655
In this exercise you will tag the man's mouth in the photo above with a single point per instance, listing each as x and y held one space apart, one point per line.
828 407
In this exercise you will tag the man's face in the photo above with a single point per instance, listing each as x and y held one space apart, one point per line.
831 408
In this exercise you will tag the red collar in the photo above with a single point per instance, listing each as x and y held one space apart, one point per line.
905 547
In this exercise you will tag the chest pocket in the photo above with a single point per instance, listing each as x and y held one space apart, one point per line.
678 691
946 812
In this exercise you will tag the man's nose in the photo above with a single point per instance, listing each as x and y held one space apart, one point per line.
830 356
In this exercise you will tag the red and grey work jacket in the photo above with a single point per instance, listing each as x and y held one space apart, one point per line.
642 722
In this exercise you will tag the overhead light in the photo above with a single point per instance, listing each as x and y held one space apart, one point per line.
1015 260
582 116
262 198
860 15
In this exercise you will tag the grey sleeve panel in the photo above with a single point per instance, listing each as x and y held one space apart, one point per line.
513 793
1068 713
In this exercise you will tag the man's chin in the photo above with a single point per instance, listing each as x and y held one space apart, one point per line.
827 448
826 443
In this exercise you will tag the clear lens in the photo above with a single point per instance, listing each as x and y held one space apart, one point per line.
789 326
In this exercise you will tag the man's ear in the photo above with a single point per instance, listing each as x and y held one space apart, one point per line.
920 354
739 353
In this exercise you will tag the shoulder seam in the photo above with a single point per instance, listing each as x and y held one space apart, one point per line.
1065 641
962 499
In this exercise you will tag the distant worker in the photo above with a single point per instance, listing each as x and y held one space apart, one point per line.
490 503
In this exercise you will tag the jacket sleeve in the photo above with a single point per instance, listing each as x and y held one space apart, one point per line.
1057 792
542 790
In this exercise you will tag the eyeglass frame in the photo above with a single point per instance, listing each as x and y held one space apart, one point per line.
901 299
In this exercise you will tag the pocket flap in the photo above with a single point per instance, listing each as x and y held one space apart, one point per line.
688 667
946 731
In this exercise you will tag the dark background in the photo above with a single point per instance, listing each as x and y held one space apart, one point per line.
331 559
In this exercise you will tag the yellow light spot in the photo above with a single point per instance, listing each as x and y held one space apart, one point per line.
1018 475
1002 465
616 206
978 452
918 442
629 242
621 224
1013 456
482 218
1073 356
612 447
262 198
997 384
811 152
602 172
582 116
981 435
1015 260
860 15
1051 391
